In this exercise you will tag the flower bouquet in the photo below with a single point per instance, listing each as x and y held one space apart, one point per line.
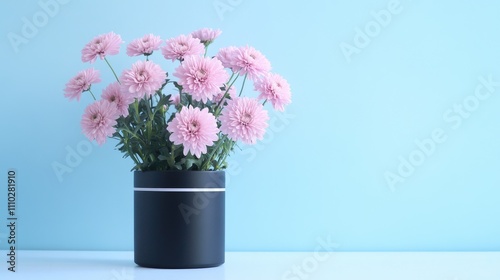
192 122
178 132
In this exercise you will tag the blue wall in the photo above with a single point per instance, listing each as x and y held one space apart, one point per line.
391 142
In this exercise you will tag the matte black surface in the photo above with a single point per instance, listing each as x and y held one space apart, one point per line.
179 229
179 179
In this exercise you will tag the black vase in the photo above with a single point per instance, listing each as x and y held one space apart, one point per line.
179 218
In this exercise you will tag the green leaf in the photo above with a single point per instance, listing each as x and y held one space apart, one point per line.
164 100
162 157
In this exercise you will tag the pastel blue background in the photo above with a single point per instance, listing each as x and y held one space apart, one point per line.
321 170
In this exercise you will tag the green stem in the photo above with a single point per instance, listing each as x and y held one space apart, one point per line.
132 134
172 156
149 123
232 75
210 157
134 158
136 109
92 94
243 85
219 106
105 59
129 150
224 155
230 84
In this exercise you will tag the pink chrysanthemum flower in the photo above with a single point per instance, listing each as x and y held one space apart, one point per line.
276 89
227 56
182 46
99 120
80 83
144 46
244 119
245 61
206 35
194 129
144 79
232 94
102 45
201 77
115 94
249 61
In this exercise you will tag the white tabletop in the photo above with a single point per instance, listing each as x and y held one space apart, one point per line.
90 265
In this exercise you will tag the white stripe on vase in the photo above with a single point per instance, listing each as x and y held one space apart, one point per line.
180 189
